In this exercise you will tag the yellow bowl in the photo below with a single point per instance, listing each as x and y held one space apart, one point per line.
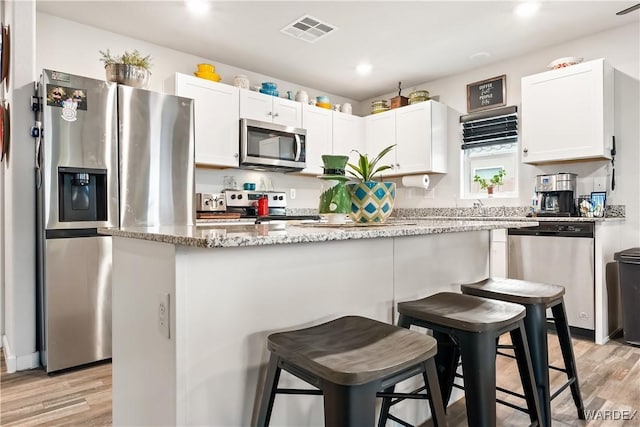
209 76
206 68
323 105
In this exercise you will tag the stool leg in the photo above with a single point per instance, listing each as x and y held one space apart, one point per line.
535 324
386 406
521 345
430 376
478 351
446 361
349 406
564 337
269 391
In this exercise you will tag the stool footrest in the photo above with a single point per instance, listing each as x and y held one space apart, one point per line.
510 356
399 421
511 405
298 391
562 388
511 392
556 368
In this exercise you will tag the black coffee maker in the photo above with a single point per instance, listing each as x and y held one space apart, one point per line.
556 194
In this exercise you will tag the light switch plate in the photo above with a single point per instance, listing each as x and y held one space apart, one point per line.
164 317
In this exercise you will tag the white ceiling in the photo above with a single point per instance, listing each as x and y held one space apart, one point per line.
414 41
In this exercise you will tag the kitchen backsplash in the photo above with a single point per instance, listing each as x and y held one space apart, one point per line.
613 211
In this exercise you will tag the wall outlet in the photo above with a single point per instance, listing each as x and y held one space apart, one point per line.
164 317
600 183
292 193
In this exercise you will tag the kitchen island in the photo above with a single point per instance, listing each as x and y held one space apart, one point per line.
229 286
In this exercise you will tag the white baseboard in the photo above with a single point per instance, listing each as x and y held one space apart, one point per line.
19 363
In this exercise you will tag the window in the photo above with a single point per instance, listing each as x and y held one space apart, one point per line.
489 143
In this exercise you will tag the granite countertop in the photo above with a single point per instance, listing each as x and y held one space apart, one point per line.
523 218
235 235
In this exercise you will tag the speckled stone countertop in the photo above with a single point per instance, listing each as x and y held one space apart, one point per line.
234 235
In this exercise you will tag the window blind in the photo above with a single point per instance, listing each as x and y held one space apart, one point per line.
498 126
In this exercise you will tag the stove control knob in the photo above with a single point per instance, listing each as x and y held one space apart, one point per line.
239 196
280 197
233 197
275 197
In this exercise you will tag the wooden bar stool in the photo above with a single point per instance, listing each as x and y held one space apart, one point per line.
350 361
537 298
468 327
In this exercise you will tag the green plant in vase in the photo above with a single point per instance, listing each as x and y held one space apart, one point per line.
488 184
371 201
130 68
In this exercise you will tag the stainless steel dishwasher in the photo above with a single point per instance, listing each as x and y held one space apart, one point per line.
561 253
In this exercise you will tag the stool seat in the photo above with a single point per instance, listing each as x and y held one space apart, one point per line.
516 291
463 312
353 350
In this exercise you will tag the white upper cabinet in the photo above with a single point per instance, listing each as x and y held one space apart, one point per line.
421 135
380 132
348 135
567 114
420 132
258 106
318 123
216 118
330 132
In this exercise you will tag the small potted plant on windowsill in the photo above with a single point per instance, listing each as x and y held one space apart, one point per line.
494 181
371 201
130 68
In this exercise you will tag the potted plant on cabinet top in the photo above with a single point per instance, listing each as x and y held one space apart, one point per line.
371 201
130 68
495 180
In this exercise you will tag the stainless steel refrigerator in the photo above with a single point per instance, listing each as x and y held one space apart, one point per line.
107 156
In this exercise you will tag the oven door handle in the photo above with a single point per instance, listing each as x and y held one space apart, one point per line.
298 147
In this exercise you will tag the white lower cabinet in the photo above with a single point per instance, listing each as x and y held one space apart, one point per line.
216 118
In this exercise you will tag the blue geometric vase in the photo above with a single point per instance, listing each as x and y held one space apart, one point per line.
371 201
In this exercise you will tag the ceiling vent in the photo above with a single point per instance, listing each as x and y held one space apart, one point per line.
309 29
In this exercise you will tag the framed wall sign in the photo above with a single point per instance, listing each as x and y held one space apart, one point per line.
486 94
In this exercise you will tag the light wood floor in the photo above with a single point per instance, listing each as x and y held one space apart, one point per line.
609 377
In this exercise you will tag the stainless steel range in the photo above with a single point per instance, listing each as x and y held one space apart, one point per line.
247 203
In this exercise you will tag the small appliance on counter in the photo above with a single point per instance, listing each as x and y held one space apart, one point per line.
556 194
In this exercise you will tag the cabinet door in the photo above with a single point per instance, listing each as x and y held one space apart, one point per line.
413 136
216 119
318 123
287 112
256 106
348 135
566 113
421 135
380 132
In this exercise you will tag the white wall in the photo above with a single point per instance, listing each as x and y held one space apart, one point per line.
19 195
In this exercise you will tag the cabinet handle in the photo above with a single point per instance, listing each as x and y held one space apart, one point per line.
276 115
525 150
269 113
398 165
236 155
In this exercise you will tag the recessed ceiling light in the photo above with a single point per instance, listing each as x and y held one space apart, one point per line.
480 56
198 7
526 9
364 69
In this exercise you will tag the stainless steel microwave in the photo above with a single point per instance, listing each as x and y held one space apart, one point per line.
268 146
